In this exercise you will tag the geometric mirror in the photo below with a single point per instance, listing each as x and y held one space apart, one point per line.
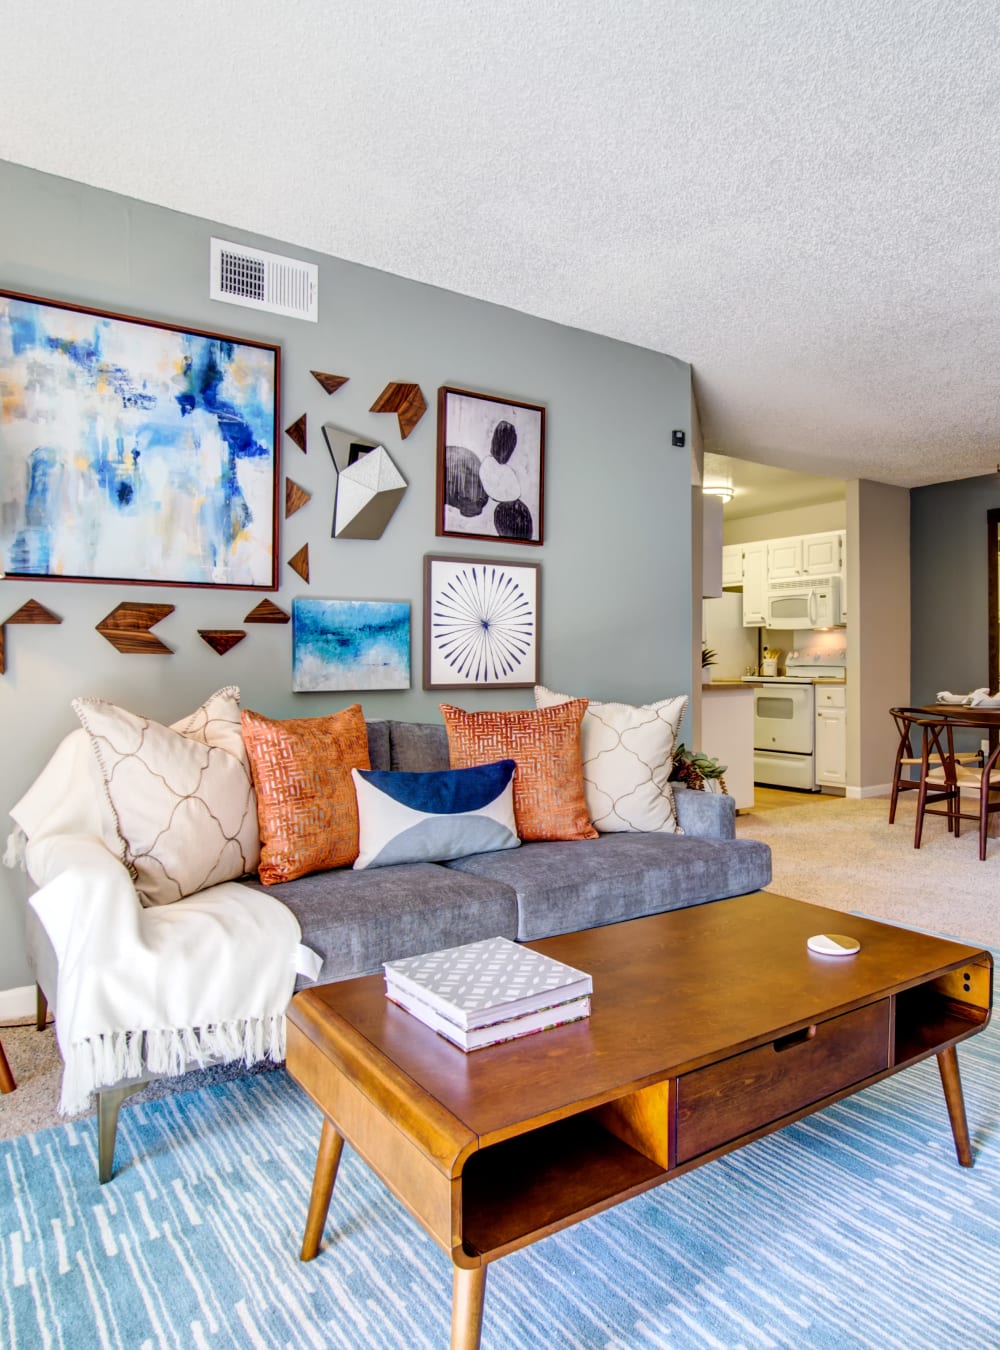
368 492
369 486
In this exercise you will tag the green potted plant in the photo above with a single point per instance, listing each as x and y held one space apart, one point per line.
698 771
708 660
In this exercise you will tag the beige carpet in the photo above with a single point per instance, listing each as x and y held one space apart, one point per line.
844 854
828 850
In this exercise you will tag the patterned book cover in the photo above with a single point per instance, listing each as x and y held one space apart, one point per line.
482 982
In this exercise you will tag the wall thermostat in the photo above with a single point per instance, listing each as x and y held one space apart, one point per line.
677 437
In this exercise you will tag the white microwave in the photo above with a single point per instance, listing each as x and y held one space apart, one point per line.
811 603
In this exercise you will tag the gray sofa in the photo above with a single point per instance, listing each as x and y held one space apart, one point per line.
357 920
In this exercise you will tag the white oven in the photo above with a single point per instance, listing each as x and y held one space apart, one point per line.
784 717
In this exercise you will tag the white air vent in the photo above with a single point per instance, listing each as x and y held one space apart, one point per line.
247 276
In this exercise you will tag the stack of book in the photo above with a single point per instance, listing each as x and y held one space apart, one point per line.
486 992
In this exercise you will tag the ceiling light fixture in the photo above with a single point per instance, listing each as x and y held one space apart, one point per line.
723 490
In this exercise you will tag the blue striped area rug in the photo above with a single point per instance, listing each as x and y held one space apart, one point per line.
853 1228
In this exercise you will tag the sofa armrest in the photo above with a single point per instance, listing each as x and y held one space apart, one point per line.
705 815
84 893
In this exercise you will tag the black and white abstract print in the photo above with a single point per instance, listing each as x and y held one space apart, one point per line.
492 464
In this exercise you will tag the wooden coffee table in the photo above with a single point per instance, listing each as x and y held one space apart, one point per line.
711 1026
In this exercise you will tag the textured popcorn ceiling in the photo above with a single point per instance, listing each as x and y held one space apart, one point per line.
799 198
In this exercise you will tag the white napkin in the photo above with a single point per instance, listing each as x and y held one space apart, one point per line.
972 700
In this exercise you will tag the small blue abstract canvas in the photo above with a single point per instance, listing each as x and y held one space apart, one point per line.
350 644
135 451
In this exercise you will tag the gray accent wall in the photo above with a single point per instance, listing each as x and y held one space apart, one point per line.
616 562
950 620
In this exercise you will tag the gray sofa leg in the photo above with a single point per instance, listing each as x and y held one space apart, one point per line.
109 1102
41 1008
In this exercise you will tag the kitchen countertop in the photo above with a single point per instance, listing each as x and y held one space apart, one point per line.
751 680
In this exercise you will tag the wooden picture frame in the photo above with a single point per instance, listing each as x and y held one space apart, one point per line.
134 451
481 623
490 468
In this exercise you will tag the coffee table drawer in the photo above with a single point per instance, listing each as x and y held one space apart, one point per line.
746 1092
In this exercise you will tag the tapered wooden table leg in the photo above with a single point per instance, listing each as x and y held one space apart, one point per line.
7 1083
331 1145
952 1084
467 1292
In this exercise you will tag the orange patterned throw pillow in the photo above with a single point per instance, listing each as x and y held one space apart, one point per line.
307 809
549 800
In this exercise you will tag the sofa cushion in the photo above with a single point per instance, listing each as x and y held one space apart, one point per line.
549 801
357 920
306 807
628 754
562 887
182 814
418 747
429 817
378 744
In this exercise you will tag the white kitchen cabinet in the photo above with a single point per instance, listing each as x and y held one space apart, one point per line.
754 584
805 555
732 565
822 554
831 736
843 577
784 559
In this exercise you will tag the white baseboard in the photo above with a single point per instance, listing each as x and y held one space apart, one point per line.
15 1003
876 790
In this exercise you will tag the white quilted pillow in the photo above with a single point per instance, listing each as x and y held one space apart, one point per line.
627 758
183 809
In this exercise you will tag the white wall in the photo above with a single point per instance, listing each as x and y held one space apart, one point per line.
616 611
878 592
782 524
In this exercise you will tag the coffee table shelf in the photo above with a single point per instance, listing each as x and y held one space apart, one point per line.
516 1191
943 1010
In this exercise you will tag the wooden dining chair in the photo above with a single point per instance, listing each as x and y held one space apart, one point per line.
911 724
981 782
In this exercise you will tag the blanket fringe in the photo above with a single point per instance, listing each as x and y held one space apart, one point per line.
17 842
102 1061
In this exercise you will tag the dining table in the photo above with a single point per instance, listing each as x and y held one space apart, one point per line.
986 716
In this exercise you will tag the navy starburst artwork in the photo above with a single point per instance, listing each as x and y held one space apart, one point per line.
483 624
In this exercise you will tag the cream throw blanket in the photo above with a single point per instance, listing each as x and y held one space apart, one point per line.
158 990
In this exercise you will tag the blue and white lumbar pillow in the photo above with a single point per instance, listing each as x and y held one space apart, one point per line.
430 817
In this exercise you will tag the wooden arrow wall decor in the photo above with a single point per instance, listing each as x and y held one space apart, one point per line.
222 640
267 612
30 612
33 612
127 628
406 401
295 497
331 383
297 432
299 562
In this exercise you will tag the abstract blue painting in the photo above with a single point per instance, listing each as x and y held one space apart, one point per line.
350 644
135 451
